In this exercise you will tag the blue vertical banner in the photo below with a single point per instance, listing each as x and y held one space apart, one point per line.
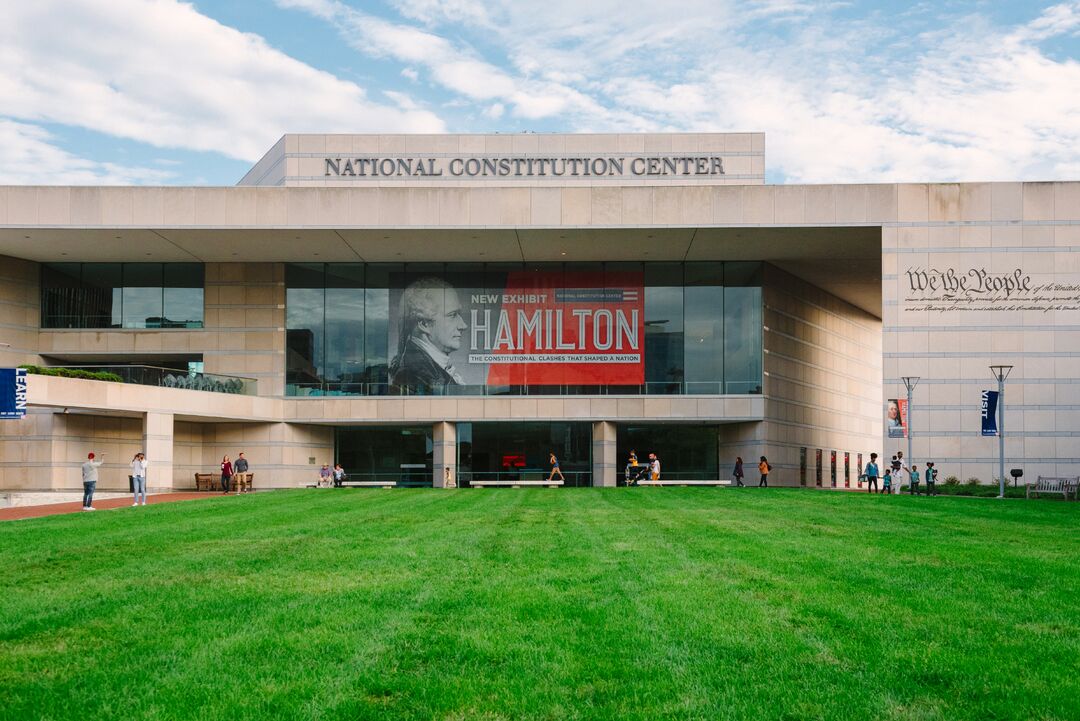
989 413
12 393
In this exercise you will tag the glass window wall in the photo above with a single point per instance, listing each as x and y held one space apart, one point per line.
524 329
402 454
522 452
122 295
685 452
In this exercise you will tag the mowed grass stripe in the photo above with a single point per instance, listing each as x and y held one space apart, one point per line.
538 603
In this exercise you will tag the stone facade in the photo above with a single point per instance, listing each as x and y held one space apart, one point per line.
861 289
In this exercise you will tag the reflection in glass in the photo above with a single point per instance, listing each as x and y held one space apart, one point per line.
129 295
742 327
704 318
686 452
102 289
183 296
702 326
520 451
663 327
344 365
402 454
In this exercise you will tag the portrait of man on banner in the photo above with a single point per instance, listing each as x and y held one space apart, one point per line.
896 418
431 328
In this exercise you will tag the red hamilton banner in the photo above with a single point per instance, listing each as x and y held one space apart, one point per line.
538 328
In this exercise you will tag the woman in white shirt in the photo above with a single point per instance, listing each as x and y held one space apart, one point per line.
138 476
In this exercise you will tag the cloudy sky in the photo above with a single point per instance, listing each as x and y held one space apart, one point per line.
167 92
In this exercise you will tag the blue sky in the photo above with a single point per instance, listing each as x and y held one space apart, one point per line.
165 92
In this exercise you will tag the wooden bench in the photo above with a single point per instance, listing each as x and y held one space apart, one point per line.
1064 487
205 479
683 483
514 484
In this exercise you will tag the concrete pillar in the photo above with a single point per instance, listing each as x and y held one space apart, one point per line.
158 447
605 458
443 453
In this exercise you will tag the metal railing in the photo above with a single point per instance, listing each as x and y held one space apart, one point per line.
571 478
172 378
650 389
405 478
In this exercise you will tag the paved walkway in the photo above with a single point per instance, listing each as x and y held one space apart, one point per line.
51 509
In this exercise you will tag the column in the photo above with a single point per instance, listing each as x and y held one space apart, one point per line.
605 459
158 446
443 453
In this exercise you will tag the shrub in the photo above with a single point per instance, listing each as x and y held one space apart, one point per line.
952 481
968 489
73 373
973 481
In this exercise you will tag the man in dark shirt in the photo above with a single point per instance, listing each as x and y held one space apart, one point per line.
240 469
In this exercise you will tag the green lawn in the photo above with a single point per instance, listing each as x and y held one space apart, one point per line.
545 604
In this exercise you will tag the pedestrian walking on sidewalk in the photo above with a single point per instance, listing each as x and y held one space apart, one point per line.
226 474
871 472
764 468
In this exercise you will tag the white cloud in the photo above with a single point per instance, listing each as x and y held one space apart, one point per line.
29 157
455 68
841 99
159 72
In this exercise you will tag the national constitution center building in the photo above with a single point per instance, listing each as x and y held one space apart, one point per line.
415 306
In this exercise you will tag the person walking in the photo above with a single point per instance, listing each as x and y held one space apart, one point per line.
241 468
654 467
226 474
89 480
931 478
138 477
764 468
914 478
554 467
871 472
886 482
738 474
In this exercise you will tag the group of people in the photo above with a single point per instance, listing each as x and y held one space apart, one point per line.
636 471
90 468
895 470
230 470
331 476
138 465
763 467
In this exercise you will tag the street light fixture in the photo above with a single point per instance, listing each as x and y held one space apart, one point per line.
910 382
1001 373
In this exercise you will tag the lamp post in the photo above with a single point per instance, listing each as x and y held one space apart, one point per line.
910 382
1001 373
